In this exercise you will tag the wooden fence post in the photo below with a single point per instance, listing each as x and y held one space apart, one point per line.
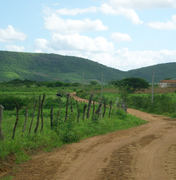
110 109
88 109
24 127
59 109
42 112
51 116
93 108
32 117
16 120
78 111
99 107
1 116
85 106
68 95
38 116
104 109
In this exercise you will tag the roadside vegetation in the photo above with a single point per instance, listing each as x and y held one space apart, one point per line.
25 93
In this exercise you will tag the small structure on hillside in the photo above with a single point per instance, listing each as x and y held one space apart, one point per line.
167 83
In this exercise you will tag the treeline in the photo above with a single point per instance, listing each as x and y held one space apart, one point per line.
28 83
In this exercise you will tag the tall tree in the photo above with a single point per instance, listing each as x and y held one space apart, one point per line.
133 84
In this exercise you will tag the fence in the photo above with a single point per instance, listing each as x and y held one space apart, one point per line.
86 114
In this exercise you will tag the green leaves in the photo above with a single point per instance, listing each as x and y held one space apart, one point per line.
133 84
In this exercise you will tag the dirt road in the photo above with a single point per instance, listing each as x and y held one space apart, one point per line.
147 152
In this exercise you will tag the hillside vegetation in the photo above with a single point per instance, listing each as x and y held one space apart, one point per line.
161 71
52 67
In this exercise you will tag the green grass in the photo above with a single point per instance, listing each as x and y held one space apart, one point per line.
61 133
25 144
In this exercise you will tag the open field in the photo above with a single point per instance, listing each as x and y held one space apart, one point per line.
25 145
144 152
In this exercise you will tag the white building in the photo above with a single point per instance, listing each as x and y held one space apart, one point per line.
167 83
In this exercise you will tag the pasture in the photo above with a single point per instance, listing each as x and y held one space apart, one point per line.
18 146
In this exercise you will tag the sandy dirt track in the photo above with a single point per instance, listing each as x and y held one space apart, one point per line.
146 152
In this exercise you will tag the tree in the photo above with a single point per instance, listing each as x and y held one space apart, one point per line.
167 78
93 83
133 84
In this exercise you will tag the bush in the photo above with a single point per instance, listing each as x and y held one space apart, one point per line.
121 114
9 102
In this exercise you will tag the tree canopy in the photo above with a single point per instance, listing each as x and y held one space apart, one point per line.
133 84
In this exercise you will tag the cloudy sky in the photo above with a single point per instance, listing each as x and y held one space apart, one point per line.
123 34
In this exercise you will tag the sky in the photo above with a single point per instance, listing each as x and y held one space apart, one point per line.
122 34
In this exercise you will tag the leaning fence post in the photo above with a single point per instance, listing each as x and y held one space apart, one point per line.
51 116
32 117
24 127
1 116
110 109
78 112
16 120
42 113
88 110
85 106
104 109
99 107
38 116
68 96
59 109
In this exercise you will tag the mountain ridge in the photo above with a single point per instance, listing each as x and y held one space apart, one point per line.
54 67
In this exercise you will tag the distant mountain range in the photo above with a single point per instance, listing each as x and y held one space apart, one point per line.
52 67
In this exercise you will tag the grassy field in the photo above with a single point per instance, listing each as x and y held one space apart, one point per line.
25 144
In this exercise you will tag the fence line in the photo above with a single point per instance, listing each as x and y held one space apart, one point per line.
86 108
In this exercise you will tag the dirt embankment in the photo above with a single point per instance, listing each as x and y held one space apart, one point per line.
146 152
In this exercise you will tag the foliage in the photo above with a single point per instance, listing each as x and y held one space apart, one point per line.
121 114
51 67
61 132
93 83
163 103
167 78
9 101
160 72
133 84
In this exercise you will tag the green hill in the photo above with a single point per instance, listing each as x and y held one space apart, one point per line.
161 71
52 67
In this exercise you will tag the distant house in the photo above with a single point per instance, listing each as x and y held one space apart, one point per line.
167 83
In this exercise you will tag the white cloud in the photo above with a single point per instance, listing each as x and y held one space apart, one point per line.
15 48
75 11
120 37
161 25
169 25
174 18
74 42
130 14
11 34
69 26
99 50
143 4
118 10
107 9
126 60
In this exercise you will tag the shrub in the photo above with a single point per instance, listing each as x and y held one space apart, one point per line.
121 114
9 102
